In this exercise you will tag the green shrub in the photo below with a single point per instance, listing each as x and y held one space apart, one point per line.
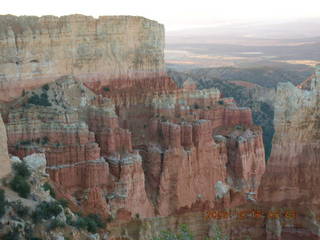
21 169
46 210
2 203
109 219
97 219
239 127
40 101
69 220
106 89
55 223
80 223
21 210
47 187
12 235
63 202
45 87
218 235
44 140
25 142
183 234
20 185
91 223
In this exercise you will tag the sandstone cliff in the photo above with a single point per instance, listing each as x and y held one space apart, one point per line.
291 178
34 50
4 158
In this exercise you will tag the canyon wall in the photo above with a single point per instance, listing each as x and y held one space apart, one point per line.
120 138
292 175
4 158
38 50
158 156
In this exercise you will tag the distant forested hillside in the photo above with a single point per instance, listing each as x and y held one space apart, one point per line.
264 76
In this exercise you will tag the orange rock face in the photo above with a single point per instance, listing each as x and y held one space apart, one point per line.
119 136
156 157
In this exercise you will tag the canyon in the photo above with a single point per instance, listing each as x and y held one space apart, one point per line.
122 140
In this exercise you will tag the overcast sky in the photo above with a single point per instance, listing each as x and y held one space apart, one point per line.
175 14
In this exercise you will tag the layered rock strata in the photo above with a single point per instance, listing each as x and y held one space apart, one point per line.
291 179
119 136
4 157
153 161
38 50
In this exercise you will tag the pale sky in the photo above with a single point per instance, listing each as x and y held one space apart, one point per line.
175 14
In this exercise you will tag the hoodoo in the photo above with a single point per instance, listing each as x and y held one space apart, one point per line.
122 140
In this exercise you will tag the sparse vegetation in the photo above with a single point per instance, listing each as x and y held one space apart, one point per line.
21 169
45 87
163 119
63 202
44 140
25 142
2 203
47 187
20 183
21 186
21 211
91 223
185 234
46 210
40 101
12 235
218 235
182 234
55 223
239 127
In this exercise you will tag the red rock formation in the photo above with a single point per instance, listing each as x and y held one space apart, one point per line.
177 160
95 202
246 159
145 148
129 186
291 179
